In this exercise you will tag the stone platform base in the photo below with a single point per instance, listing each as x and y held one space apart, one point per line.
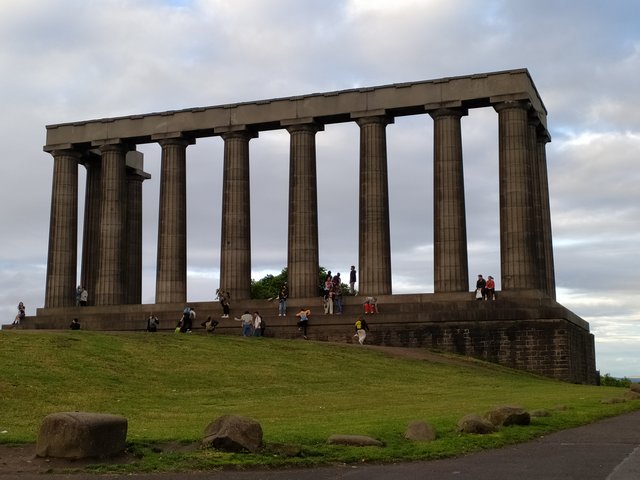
523 330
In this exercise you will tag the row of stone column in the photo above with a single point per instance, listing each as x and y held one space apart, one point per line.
112 229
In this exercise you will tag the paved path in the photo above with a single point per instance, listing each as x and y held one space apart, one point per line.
606 450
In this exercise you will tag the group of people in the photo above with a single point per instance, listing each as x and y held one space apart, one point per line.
332 294
185 324
252 325
361 325
485 289
81 296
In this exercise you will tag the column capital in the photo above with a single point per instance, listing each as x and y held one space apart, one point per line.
116 146
236 131
301 124
543 135
311 127
512 104
447 112
363 120
67 152
175 141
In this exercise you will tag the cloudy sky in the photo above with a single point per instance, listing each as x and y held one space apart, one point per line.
71 60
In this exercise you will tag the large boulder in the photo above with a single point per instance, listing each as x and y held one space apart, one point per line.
233 433
77 435
474 423
507 415
420 431
354 441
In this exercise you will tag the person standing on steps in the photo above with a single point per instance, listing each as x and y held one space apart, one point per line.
257 324
283 294
352 280
225 299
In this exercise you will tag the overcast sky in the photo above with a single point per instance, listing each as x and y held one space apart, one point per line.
70 60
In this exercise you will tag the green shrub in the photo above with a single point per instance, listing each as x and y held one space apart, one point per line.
607 380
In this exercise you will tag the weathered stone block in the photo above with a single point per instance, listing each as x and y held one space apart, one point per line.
78 435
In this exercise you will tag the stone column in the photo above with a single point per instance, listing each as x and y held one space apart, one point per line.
536 200
549 284
374 237
171 274
110 282
133 270
517 238
451 272
235 247
303 257
63 231
91 227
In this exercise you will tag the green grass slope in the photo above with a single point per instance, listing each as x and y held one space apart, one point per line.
170 387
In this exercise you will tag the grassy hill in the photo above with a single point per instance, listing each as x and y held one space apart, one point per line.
170 387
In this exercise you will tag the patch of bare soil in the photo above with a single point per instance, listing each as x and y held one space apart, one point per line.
21 459
419 354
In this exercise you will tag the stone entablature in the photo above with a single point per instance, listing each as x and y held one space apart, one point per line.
399 99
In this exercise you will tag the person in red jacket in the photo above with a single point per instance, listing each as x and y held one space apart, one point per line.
490 289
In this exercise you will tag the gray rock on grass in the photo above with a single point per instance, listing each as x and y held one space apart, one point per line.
420 431
233 433
474 423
